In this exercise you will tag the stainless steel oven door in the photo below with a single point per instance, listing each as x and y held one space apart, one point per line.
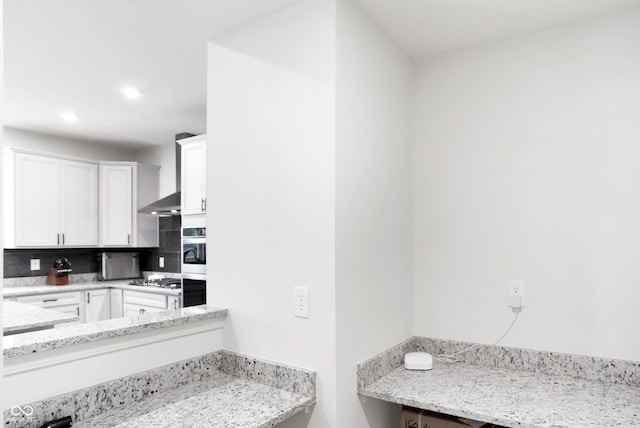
194 255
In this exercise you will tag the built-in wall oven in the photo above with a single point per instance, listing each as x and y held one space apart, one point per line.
194 261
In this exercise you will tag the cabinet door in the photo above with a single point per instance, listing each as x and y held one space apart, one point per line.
173 303
194 161
116 203
116 303
79 216
37 201
96 305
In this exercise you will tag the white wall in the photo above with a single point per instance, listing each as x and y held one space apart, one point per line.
1 188
373 207
165 157
526 166
270 127
66 146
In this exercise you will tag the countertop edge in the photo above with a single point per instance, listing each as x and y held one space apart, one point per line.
147 323
35 290
445 410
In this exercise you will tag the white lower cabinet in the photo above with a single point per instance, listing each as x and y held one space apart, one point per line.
116 303
173 302
102 304
140 302
68 303
97 305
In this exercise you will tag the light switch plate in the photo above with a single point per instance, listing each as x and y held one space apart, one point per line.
161 261
35 264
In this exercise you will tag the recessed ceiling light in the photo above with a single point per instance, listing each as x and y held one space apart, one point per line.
130 92
69 117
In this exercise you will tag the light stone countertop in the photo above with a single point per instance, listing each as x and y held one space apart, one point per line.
218 402
222 389
40 341
34 290
512 398
18 317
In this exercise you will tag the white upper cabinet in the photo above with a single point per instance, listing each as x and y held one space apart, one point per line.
194 174
116 205
125 187
79 219
54 201
49 201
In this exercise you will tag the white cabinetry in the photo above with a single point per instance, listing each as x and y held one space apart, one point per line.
116 303
68 303
173 302
140 302
49 201
125 187
194 174
97 305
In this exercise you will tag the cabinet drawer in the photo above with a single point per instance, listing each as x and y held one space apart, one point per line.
145 299
71 310
51 300
131 309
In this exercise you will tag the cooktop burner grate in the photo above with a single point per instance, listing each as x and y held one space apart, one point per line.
160 283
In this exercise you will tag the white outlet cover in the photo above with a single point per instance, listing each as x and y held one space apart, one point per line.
161 261
35 264
518 285
301 302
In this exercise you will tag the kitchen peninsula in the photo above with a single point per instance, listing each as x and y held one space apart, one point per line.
21 318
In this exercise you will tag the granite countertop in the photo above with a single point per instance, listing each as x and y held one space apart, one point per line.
39 341
220 401
222 389
18 317
512 398
10 292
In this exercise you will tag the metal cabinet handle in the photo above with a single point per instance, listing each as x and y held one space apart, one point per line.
175 304
49 300
88 297
63 239
128 238
78 309
203 205
58 238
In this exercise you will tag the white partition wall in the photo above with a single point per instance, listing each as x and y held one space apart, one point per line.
309 185
270 222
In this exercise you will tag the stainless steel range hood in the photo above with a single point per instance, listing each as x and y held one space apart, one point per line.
170 205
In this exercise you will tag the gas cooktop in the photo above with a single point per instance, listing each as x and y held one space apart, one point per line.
160 283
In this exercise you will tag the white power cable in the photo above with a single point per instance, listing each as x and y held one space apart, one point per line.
451 358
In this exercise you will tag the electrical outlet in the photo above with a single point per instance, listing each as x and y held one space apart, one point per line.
301 302
35 264
516 293
161 261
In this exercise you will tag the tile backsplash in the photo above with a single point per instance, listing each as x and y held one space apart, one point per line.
84 260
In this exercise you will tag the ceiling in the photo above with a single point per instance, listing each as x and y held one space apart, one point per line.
76 55
428 27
